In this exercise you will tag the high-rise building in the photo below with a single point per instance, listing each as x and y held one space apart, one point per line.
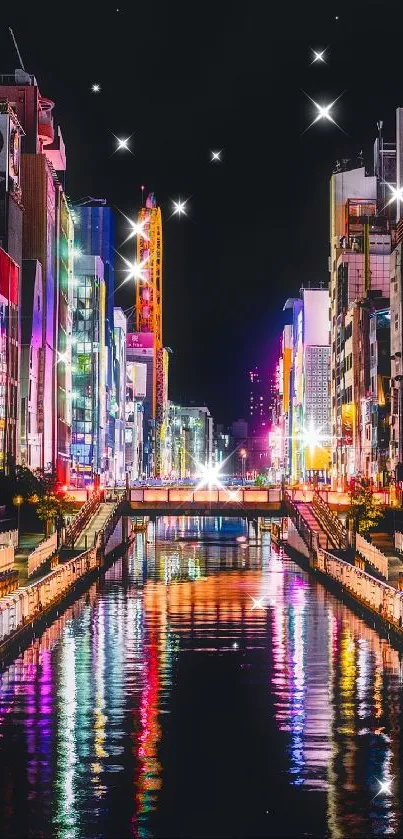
191 439
360 246
46 233
94 227
88 367
306 427
258 409
136 393
9 289
396 321
118 398
10 283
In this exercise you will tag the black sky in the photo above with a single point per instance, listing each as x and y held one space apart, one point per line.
185 78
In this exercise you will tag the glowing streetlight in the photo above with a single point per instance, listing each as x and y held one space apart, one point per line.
96 87
243 455
216 156
17 501
209 475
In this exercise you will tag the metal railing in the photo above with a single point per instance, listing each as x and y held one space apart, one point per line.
308 535
330 522
372 554
82 518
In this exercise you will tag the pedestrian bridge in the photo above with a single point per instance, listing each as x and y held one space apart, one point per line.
184 501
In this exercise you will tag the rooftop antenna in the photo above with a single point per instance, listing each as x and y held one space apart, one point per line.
16 49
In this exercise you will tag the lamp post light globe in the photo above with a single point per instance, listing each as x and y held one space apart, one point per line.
17 501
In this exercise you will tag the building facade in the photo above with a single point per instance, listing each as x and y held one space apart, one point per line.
118 396
88 369
360 247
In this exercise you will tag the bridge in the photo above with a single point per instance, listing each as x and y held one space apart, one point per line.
232 501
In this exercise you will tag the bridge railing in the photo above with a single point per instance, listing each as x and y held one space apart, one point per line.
241 495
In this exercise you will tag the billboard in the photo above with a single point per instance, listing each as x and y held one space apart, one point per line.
318 458
136 385
347 423
140 341
316 317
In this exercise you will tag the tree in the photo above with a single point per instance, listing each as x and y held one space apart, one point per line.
364 509
51 508
260 480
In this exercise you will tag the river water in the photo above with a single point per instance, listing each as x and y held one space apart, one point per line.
205 687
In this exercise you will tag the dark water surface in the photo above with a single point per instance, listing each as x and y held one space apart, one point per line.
203 690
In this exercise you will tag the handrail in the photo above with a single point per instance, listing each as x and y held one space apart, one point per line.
308 535
82 518
330 522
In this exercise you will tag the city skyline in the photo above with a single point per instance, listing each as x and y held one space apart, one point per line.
176 162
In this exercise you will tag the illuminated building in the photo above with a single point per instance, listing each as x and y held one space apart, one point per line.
46 233
118 399
360 246
308 401
258 403
140 350
88 368
32 313
136 392
396 316
191 439
221 444
280 431
94 226
149 321
10 283
9 286
379 425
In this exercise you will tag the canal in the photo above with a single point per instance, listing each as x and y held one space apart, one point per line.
204 687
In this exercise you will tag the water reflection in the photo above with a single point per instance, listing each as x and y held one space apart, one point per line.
165 702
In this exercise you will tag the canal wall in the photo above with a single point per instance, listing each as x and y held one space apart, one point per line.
29 608
28 603
295 541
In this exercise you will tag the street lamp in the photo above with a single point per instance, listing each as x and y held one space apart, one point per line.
17 501
244 455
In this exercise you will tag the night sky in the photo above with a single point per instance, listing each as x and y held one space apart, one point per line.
185 78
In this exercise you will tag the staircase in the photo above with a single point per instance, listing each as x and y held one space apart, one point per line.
94 526
306 512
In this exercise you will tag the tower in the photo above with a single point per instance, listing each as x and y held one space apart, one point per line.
149 280
149 311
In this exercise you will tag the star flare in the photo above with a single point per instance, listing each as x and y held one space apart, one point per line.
324 112
318 56
179 208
